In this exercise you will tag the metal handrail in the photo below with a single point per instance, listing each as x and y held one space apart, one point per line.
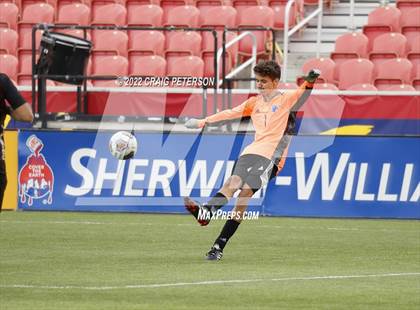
238 69
288 33
352 26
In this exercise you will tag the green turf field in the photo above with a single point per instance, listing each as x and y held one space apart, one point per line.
137 261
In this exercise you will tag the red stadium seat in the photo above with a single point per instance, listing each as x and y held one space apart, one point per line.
183 16
413 44
355 71
132 4
99 55
188 41
145 15
74 13
96 4
208 58
26 79
9 15
362 87
393 71
388 45
351 45
38 13
8 40
25 61
60 3
408 17
168 5
219 16
9 65
414 57
410 23
315 2
147 42
147 65
16 2
279 8
76 33
109 65
33 14
205 5
407 5
325 86
416 84
208 44
255 16
109 14
385 15
25 36
25 3
115 40
400 87
242 5
382 20
185 66
112 14
326 65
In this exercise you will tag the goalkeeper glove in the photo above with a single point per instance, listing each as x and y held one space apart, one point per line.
194 123
312 75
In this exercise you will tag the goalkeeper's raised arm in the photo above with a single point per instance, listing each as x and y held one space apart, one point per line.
242 110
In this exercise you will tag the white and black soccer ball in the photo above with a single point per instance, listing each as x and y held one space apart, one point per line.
123 145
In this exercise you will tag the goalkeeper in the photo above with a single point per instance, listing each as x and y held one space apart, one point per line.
273 115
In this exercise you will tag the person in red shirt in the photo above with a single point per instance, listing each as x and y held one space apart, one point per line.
273 115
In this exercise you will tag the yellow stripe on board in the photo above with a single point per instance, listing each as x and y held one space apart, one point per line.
7 120
350 130
11 194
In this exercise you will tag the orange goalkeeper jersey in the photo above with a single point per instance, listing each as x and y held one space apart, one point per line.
270 120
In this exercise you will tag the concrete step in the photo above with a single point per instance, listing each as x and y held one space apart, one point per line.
361 7
328 35
340 21
310 47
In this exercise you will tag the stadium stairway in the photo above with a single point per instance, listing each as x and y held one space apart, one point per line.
336 21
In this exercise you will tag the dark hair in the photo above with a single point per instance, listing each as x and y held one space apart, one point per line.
268 68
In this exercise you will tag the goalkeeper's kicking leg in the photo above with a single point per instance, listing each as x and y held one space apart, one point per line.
203 213
231 225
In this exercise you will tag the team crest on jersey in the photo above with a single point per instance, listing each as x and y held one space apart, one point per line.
274 108
36 178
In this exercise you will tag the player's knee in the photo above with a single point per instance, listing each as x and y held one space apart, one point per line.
233 183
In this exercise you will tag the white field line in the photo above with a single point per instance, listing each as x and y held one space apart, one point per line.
341 228
76 222
287 227
181 284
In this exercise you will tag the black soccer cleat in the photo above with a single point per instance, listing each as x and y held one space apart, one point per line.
215 253
201 213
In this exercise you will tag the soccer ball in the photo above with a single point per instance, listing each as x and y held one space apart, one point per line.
123 145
